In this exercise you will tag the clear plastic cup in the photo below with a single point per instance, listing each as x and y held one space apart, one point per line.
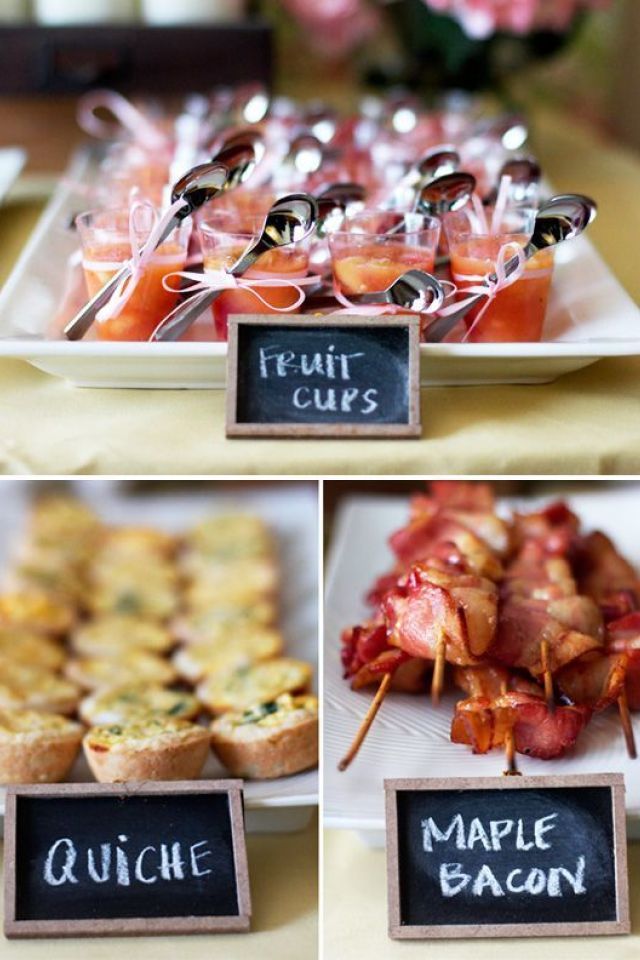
366 257
517 312
106 246
223 244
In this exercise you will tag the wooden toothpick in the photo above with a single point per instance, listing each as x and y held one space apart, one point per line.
363 729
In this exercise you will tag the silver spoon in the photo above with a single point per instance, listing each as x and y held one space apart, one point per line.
199 185
240 154
510 129
305 154
438 164
290 219
525 173
415 290
445 194
562 217
333 201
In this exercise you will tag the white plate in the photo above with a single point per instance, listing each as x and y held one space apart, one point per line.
284 803
12 160
590 316
410 738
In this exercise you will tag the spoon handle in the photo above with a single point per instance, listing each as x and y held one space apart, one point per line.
439 329
181 317
83 320
367 299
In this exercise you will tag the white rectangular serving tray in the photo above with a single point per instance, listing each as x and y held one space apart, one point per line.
286 803
590 316
12 161
410 737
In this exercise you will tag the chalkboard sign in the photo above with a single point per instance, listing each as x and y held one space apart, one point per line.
94 859
339 376
507 857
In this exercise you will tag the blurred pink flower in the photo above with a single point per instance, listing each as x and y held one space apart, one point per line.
481 18
335 27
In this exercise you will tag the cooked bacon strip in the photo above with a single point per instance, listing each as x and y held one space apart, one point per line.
623 636
461 609
407 673
422 539
604 574
362 644
595 680
524 623
534 572
491 679
483 723
486 680
555 528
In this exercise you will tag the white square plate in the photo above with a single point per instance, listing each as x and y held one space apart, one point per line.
410 737
590 316
292 513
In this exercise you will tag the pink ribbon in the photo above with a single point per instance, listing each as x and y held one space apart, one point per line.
488 288
129 119
221 280
140 256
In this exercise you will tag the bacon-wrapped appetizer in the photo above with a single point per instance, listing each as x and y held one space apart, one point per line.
623 636
538 731
523 610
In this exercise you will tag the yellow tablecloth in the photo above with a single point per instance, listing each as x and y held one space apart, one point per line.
355 916
283 869
586 422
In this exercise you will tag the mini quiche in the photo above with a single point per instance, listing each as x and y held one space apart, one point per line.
36 610
113 633
35 689
28 647
197 660
122 704
273 739
224 620
230 537
151 748
50 571
36 747
134 666
136 541
63 522
240 589
144 594
239 689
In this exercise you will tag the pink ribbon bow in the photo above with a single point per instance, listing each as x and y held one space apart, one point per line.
140 256
222 280
488 288
129 119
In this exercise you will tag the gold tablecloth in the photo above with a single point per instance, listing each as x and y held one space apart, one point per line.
586 422
283 870
355 916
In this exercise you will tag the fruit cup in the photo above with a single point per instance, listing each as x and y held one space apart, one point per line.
367 257
517 312
223 245
106 246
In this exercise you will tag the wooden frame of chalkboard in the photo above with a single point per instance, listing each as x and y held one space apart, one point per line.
400 929
236 426
16 926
